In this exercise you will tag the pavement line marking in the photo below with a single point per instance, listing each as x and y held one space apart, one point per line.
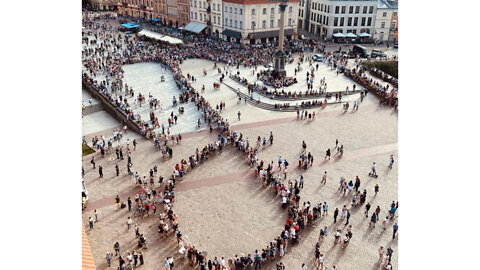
239 176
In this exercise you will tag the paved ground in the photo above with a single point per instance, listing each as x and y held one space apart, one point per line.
221 207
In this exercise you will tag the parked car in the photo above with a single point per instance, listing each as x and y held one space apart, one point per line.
377 53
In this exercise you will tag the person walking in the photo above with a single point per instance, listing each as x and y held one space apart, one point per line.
324 178
92 161
109 258
301 182
100 171
95 212
395 229
116 247
367 208
239 114
135 141
117 169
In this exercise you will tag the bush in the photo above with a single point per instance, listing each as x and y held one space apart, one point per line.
389 67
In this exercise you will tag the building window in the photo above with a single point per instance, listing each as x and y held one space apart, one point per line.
289 21
355 21
371 9
383 25
241 25
394 25
191 14
253 11
231 10
335 21
195 3
235 23
231 22
278 23
226 9
218 7
349 21
264 24
369 22
253 25
321 7
271 23
357 9
363 21
342 20
235 10
195 15
264 11
337 9
394 14
241 11
191 4
384 14
213 6
272 10
290 9
365 9
343 9
214 20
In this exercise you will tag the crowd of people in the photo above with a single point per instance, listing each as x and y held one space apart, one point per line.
103 57
387 96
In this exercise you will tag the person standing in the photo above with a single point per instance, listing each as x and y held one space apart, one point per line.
348 217
129 223
100 171
301 181
325 208
129 203
117 169
166 264
109 258
395 229
335 215
239 114
96 215
90 222
116 247
377 188
92 161
135 142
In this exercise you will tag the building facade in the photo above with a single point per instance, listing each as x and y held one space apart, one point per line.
386 23
171 12
323 18
257 21
103 4
209 13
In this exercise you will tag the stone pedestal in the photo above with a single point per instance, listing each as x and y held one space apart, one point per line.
279 68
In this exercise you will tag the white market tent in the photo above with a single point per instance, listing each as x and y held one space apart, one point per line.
157 36
364 35
338 35
350 35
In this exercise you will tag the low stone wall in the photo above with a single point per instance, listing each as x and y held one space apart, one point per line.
111 108
92 109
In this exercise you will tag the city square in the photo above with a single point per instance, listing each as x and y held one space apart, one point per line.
225 205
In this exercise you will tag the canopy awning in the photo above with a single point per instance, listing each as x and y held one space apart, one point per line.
339 35
364 35
268 34
350 35
231 33
160 37
130 25
195 27
150 34
171 40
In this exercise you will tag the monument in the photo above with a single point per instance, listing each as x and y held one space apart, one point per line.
280 55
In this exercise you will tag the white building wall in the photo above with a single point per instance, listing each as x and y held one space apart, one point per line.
382 24
324 12
258 18
198 13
